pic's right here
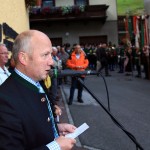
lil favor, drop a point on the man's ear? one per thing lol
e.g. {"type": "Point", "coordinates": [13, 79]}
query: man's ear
{"type": "Point", "coordinates": [23, 57]}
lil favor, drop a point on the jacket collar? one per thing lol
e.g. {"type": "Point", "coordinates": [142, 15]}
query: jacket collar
{"type": "Point", "coordinates": [24, 82]}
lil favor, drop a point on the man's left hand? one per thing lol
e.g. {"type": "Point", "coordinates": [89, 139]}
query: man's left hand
{"type": "Point", "coordinates": [65, 128]}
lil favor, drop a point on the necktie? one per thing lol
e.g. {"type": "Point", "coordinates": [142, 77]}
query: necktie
{"type": "Point", "coordinates": [50, 111]}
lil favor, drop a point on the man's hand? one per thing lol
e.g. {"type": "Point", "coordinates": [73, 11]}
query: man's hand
{"type": "Point", "coordinates": [58, 110]}
{"type": "Point", "coordinates": [79, 67]}
{"type": "Point", "coordinates": [65, 128]}
{"type": "Point", "coordinates": [65, 143]}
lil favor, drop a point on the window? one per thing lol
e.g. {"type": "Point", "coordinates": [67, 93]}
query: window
{"type": "Point", "coordinates": [81, 2]}
{"type": "Point", "coordinates": [48, 3]}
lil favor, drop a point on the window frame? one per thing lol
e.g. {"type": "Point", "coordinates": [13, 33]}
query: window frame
{"type": "Point", "coordinates": [87, 2]}
{"type": "Point", "coordinates": [49, 0]}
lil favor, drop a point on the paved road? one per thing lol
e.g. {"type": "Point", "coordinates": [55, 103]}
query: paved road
{"type": "Point", "coordinates": [129, 104]}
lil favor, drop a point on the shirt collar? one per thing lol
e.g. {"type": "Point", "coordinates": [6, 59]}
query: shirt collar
{"type": "Point", "coordinates": [26, 77]}
{"type": "Point", "coordinates": [3, 70]}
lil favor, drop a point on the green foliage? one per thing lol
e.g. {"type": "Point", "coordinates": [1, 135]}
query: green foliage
{"type": "Point", "coordinates": [66, 10]}
{"type": "Point", "coordinates": [130, 7]}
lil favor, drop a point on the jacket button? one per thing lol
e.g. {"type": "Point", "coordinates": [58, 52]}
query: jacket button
{"type": "Point", "coordinates": [48, 119]}
{"type": "Point", "coordinates": [43, 99]}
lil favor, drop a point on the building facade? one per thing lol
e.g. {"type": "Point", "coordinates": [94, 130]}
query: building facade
{"type": "Point", "coordinates": [14, 18]}
{"type": "Point", "coordinates": [96, 23]}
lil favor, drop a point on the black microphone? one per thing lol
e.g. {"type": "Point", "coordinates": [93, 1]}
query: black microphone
{"type": "Point", "coordinates": [74, 73]}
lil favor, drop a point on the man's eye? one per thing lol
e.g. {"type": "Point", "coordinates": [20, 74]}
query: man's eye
{"type": "Point", "coordinates": [46, 54]}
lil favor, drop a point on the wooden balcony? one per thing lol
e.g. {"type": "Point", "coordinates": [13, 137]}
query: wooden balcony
{"type": "Point", "coordinates": [90, 12]}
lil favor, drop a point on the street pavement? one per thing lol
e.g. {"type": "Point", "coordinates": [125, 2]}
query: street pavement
{"type": "Point", "coordinates": [129, 102]}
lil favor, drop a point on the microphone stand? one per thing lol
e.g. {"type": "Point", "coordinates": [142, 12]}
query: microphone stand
{"type": "Point", "coordinates": [138, 146]}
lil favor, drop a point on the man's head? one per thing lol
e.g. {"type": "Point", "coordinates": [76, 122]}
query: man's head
{"type": "Point", "coordinates": [58, 48]}
{"type": "Point", "coordinates": [54, 51]}
{"type": "Point", "coordinates": [62, 49]}
{"type": "Point", "coordinates": [32, 54]}
{"type": "Point", "coordinates": [77, 49]}
{"type": "Point", "coordinates": [104, 45]}
{"type": "Point", "coordinates": [3, 55]}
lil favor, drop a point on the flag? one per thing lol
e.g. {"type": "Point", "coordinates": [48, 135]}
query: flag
{"type": "Point", "coordinates": [128, 29]}
{"type": "Point", "coordinates": [144, 30]}
{"type": "Point", "coordinates": [146, 36]}
{"type": "Point", "coordinates": [136, 30]}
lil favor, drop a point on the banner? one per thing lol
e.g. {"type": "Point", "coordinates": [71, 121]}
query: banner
{"type": "Point", "coordinates": [144, 30]}
{"type": "Point", "coordinates": [136, 30]}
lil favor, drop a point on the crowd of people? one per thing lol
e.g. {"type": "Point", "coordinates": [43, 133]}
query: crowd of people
{"type": "Point", "coordinates": [123, 59]}
{"type": "Point", "coordinates": [29, 93]}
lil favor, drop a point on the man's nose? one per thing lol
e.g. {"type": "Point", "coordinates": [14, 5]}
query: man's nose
{"type": "Point", "coordinates": [51, 62]}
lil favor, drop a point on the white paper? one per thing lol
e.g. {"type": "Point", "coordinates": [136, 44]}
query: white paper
{"type": "Point", "coordinates": [78, 131]}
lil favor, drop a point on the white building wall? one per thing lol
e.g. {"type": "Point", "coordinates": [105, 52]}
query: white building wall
{"type": "Point", "coordinates": [64, 2]}
{"type": "Point", "coordinates": [111, 11]}
{"type": "Point", "coordinates": [75, 30]}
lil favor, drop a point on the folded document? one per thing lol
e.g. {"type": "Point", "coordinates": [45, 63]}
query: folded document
{"type": "Point", "coordinates": [78, 131]}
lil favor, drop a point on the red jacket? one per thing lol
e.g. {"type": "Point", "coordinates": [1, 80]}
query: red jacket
{"type": "Point", "coordinates": [77, 64]}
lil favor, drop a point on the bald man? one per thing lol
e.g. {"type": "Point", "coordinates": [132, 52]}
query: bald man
{"type": "Point", "coordinates": [26, 113]}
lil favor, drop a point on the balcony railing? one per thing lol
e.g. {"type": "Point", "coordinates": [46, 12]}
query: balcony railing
{"type": "Point", "coordinates": [68, 13]}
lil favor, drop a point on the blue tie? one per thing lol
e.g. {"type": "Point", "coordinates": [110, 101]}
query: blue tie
{"type": "Point", "coordinates": [50, 110]}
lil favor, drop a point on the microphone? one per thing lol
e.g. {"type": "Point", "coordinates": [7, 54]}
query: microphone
{"type": "Point", "coordinates": [62, 73]}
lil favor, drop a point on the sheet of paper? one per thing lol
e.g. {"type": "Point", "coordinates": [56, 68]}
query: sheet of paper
{"type": "Point", "coordinates": [78, 131]}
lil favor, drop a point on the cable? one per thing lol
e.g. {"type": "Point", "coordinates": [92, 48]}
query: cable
{"type": "Point", "coordinates": [106, 90]}
{"type": "Point", "coordinates": [112, 117]}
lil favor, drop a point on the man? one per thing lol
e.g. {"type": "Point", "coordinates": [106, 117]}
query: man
{"type": "Point", "coordinates": [102, 56]}
{"type": "Point", "coordinates": [121, 58]}
{"type": "Point", "coordinates": [54, 81]}
{"type": "Point", "coordinates": [4, 73]}
{"type": "Point", "coordinates": [26, 117]}
{"type": "Point", "coordinates": [77, 61]}
{"type": "Point", "coordinates": [63, 56]}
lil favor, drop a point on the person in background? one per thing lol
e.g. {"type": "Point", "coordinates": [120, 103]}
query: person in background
{"type": "Point", "coordinates": [128, 61]}
{"type": "Point", "coordinates": [26, 112]}
{"type": "Point", "coordinates": [145, 57]}
{"type": "Point", "coordinates": [103, 57]}
{"type": "Point", "coordinates": [63, 56]}
{"type": "Point", "coordinates": [4, 73]}
{"type": "Point", "coordinates": [58, 49]}
{"type": "Point", "coordinates": [121, 58]}
{"type": "Point", "coordinates": [54, 80]}
{"type": "Point", "coordinates": [138, 62]}
{"type": "Point", "coordinates": [79, 62]}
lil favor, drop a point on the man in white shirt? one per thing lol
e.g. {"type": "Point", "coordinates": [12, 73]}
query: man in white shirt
{"type": "Point", "coordinates": [4, 73]}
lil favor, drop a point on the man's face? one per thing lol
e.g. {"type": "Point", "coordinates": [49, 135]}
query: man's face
{"type": "Point", "coordinates": [3, 55]}
{"type": "Point", "coordinates": [40, 60]}
{"type": "Point", "coordinates": [77, 49]}
{"type": "Point", "coordinates": [54, 53]}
